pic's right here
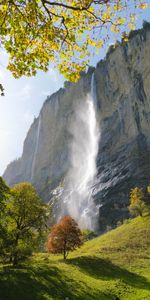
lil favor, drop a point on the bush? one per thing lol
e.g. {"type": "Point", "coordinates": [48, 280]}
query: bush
{"type": "Point", "coordinates": [89, 235]}
{"type": "Point", "coordinates": [137, 205]}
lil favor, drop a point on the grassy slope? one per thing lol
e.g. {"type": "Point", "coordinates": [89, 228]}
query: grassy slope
{"type": "Point", "coordinates": [113, 266]}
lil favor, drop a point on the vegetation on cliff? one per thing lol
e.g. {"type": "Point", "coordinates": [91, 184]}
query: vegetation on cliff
{"type": "Point", "coordinates": [138, 205]}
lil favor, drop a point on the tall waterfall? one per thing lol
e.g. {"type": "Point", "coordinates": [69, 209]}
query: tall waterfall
{"type": "Point", "coordinates": [78, 200]}
{"type": "Point", "coordinates": [36, 147]}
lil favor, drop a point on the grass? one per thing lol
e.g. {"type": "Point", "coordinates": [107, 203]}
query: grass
{"type": "Point", "coordinates": [115, 266]}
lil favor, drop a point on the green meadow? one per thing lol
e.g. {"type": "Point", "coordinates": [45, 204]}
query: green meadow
{"type": "Point", "coordinates": [114, 266]}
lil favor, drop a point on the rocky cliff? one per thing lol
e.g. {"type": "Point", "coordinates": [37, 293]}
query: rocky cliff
{"type": "Point", "coordinates": [122, 83]}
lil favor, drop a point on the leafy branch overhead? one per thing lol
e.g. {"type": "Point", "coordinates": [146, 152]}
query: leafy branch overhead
{"type": "Point", "coordinates": [1, 90]}
{"type": "Point", "coordinates": [63, 32]}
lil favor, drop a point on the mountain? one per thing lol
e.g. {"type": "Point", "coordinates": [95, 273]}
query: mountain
{"type": "Point", "coordinates": [122, 89]}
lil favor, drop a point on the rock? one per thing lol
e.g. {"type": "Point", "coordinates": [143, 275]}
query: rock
{"type": "Point", "coordinates": [123, 162]}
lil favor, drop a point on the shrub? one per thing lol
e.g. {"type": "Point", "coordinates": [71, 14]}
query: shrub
{"type": "Point", "coordinates": [137, 205]}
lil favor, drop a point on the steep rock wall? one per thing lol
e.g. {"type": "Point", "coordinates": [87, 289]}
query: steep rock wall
{"type": "Point", "coordinates": [123, 95]}
{"type": "Point", "coordinates": [123, 89]}
{"type": "Point", "coordinates": [45, 158]}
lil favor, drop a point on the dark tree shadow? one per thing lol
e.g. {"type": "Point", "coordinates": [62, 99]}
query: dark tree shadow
{"type": "Point", "coordinates": [43, 283]}
{"type": "Point", "coordinates": [104, 269]}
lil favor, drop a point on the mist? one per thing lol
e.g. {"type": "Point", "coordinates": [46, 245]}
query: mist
{"type": "Point", "coordinates": [77, 199]}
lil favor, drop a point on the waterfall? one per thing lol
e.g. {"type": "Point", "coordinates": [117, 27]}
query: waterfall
{"type": "Point", "coordinates": [36, 147]}
{"type": "Point", "coordinates": [78, 200]}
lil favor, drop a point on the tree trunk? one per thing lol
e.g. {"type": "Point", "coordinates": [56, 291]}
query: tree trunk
{"type": "Point", "coordinates": [15, 254]}
{"type": "Point", "coordinates": [65, 256]}
{"type": "Point", "coordinates": [15, 260]}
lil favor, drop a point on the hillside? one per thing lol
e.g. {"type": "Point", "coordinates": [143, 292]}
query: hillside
{"type": "Point", "coordinates": [115, 266]}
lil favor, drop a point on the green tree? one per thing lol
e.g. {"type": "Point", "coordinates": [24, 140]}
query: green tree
{"type": "Point", "coordinates": [4, 189]}
{"type": "Point", "coordinates": [147, 200]}
{"type": "Point", "coordinates": [137, 205]}
{"type": "Point", "coordinates": [26, 217]}
{"type": "Point", "coordinates": [88, 234]}
{"type": "Point", "coordinates": [63, 32]}
{"type": "Point", "coordinates": [4, 194]}
{"type": "Point", "coordinates": [64, 237]}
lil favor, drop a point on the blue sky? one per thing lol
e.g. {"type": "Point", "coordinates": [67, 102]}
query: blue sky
{"type": "Point", "coordinates": [23, 100]}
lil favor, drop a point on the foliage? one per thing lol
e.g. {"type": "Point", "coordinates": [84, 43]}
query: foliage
{"type": "Point", "coordinates": [64, 237]}
{"type": "Point", "coordinates": [25, 218]}
{"type": "Point", "coordinates": [1, 90]}
{"type": "Point", "coordinates": [137, 205]}
{"type": "Point", "coordinates": [112, 266]}
{"type": "Point", "coordinates": [4, 189]}
{"type": "Point", "coordinates": [147, 199]}
{"type": "Point", "coordinates": [63, 32]}
{"type": "Point", "coordinates": [108, 228]}
{"type": "Point", "coordinates": [4, 194]}
{"type": "Point", "coordinates": [126, 221]}
{"type": "Point", "coordinates": [88, 234]}
{"type": "Point", "coordinates": [119, 223]}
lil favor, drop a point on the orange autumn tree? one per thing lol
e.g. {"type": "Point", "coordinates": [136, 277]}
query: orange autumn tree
{"type": "Point", "coordinates": [64, 237]}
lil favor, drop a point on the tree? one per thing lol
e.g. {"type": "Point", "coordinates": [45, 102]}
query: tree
{"type": "Point", "coordinates": [63, 32]}
{"type": "Point", "coordinates": [4, 194]}
{"type": "Point", "coordinates": [4, 190]}
{"type": "Point", "coordinates": [26, 216]}
{"type": "Point", "coordinates": [89, 235]}
{"type": "Point", "coordinates": [137, 205]}
{"type": "Point", "coordinates": [147, 199]}
{"type": "Point", "coordinates": [64, 237]}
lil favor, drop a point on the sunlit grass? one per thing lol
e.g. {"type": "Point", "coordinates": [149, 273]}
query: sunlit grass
{"type": "Point", "coordinates": [113, 266]}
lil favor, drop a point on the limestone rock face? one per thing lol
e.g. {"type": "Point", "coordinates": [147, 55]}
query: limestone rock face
{"type": "Point", "coordinates": [123, 91]}
{"type": "Point", "coordinates": [123, 95]}
{"type": "Point", "coordinates": [45, 158]}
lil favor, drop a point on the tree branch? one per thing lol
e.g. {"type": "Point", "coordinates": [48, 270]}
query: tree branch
{"type": "Point", "coordinates": [77, 8]}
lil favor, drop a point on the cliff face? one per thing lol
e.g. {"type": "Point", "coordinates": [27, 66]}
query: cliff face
{"type": "Point", "coordinates": [123, 94]}
{"type": "Point", "coordinates": [45, 158]}
{"type": "Point", "coordinates": [123, 89]}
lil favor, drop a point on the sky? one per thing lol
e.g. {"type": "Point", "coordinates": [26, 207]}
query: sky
{"type": "Point", "coordinates": [24, 98]}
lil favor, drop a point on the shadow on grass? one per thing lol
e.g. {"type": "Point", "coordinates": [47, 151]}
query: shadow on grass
{"type": "Point", "coordinates": [105, 270]}
{"type": "Point", "coordinates": [43, 283]}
